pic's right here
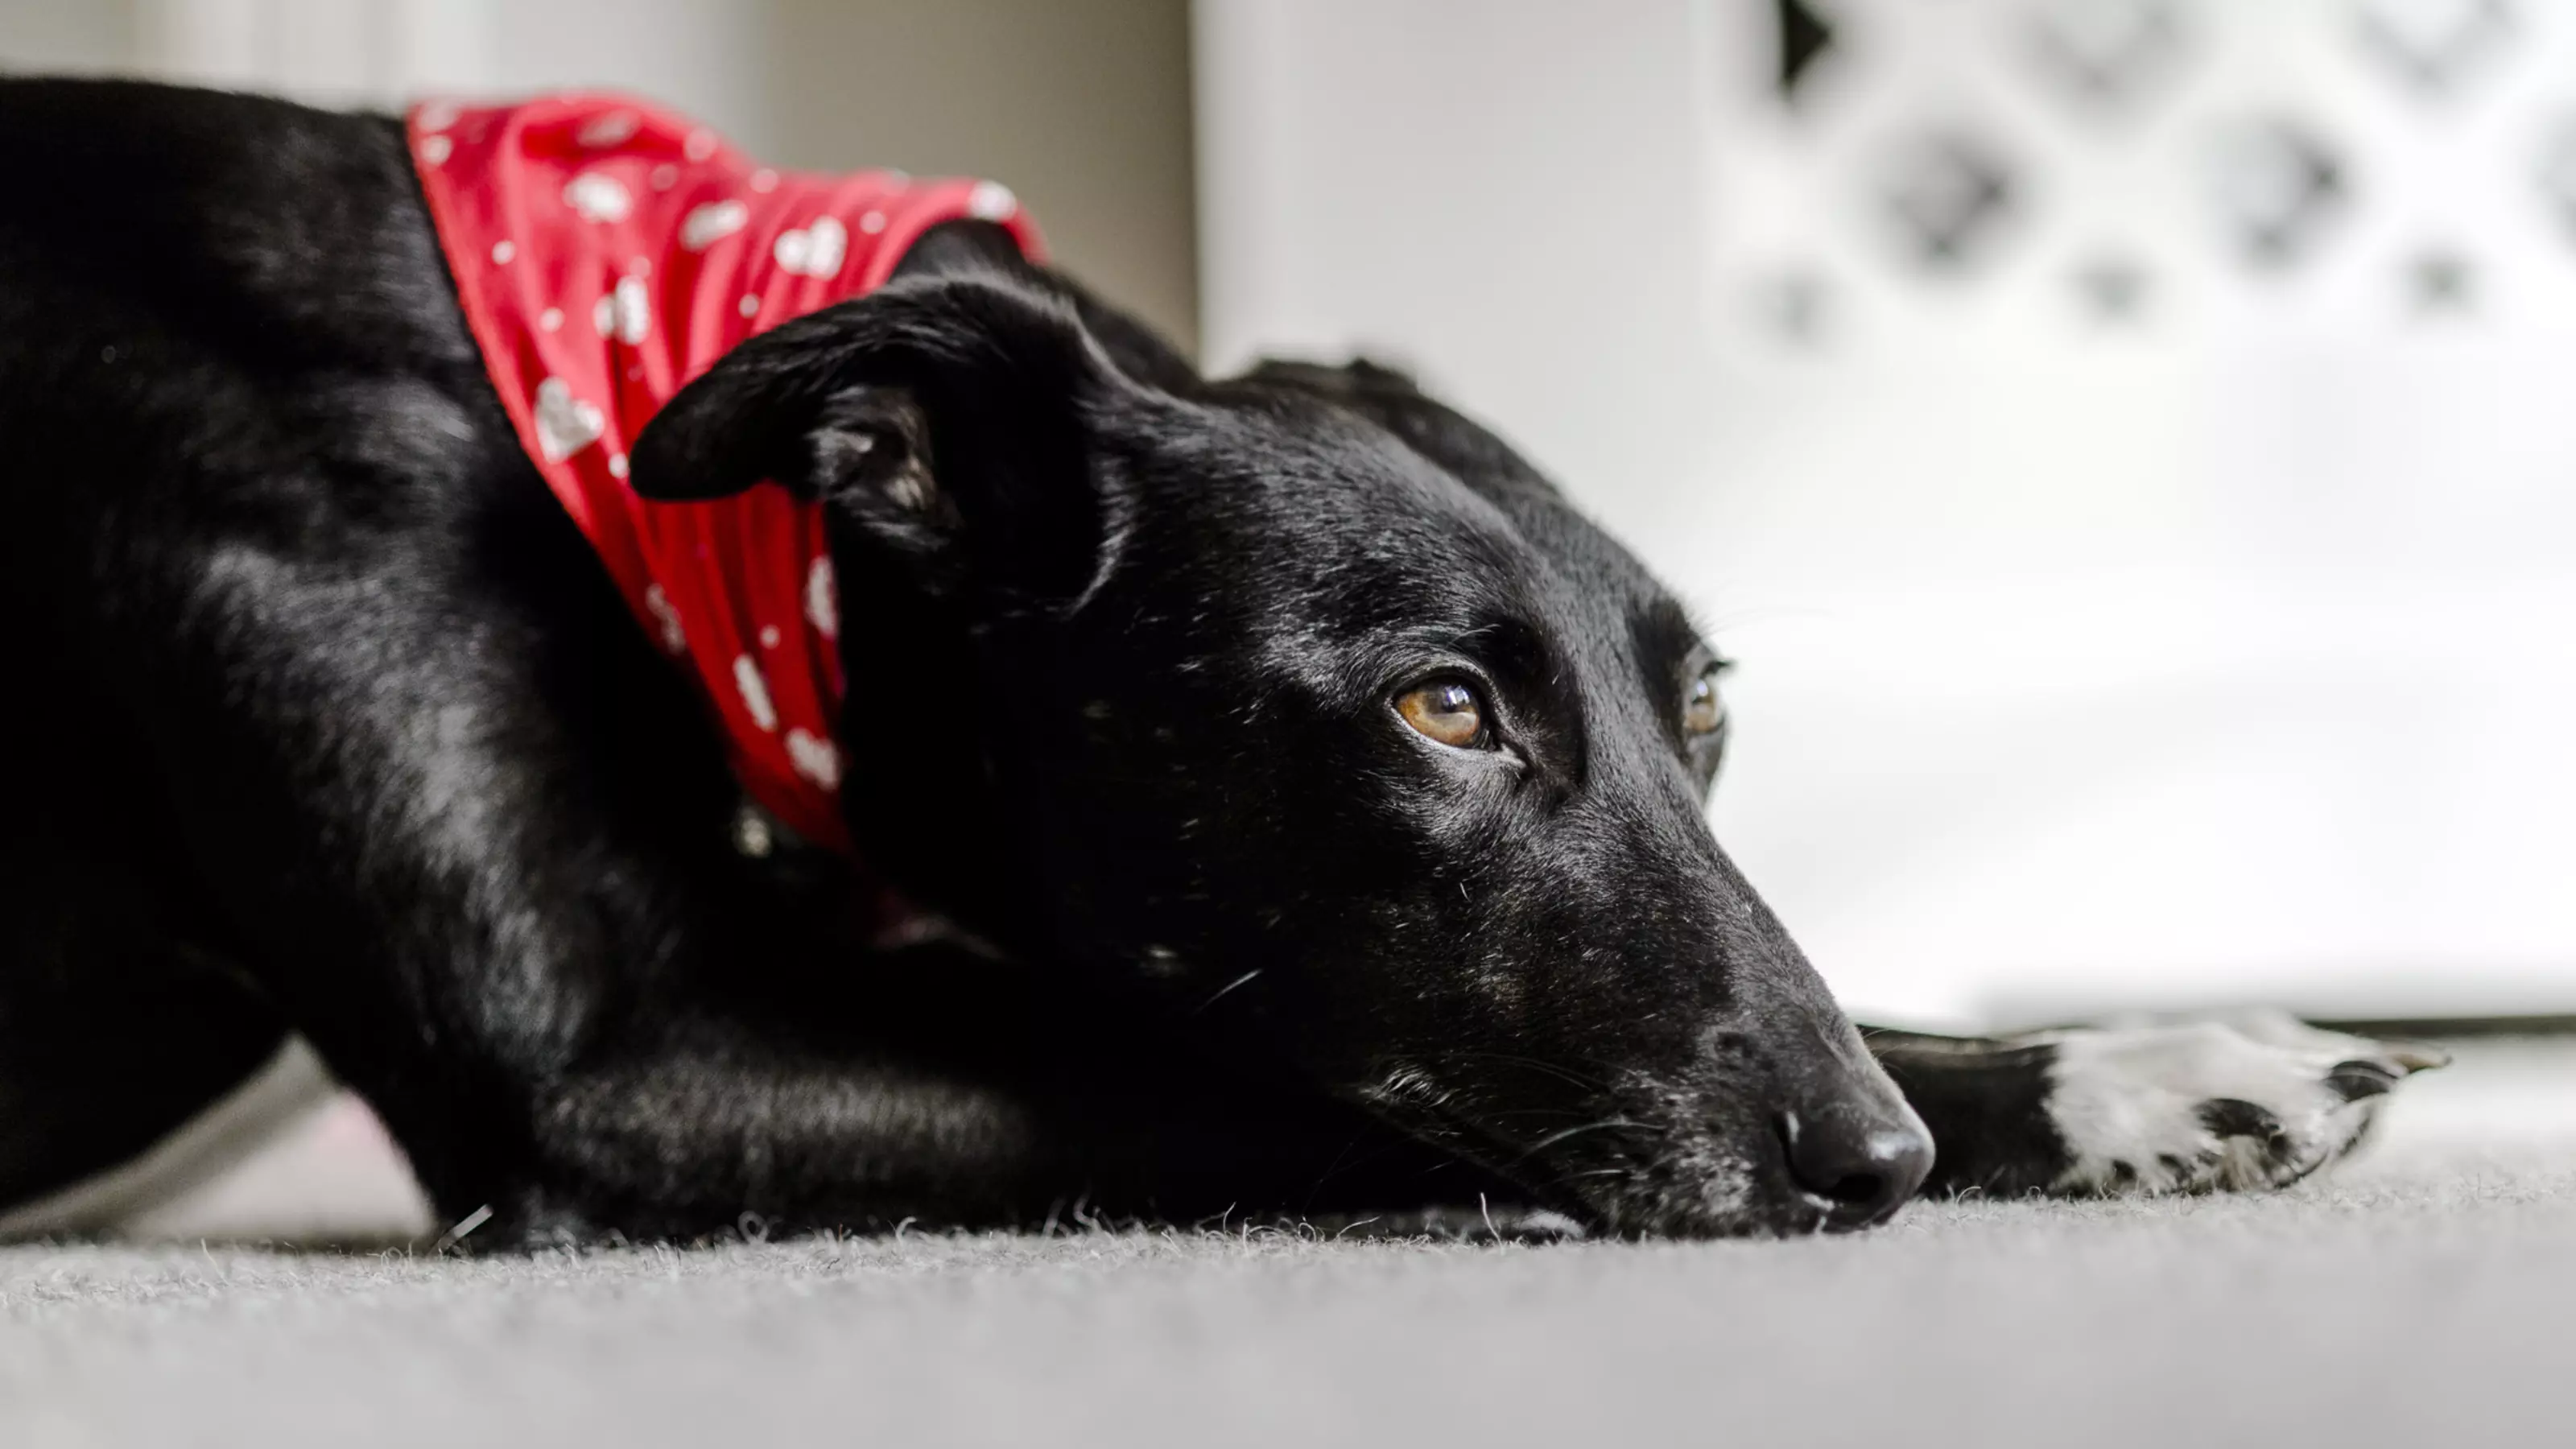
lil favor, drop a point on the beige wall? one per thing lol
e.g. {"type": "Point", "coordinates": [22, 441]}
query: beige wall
{"type": "Point", "coordinates": [67, 35]}
{"type": "Point", "coordinates": [1081, 106]}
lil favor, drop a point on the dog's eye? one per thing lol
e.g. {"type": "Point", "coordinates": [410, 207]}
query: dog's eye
{"type": "Point", "coordinates": [1702, 710]}
{"type": "Point", "coordinates": [1445, 711]}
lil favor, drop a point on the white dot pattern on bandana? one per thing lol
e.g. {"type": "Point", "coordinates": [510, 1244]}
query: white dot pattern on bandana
{"type": "Point", "coordinates": [565, 424]}
{"type": "Point", "coordinates": [706, 225]}
{"type": "Point", "coordinates": [675, 250]}
{"type": "Point", "coordinates": [675, 639]}
{"type": "Point", "coordinates": [613, 129]}
{"type": "Point", "coordinates": [754, 688]}
{"type": "Point", "coordinates": [823, 599]}
{"type": "Point", "coordinates": [597, 196]}
{"type": "Point", "coordinates": [815, 758]}
{"type": "Point", "coordinates": [816, 249]}
{"type": "Point", "coordinates": [632, 310]}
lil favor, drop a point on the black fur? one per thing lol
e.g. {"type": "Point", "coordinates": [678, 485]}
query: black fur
{"type": "Point", "coordinates": [1986, 1103]}
{"type": "Point", "coordinates": [340, 728]}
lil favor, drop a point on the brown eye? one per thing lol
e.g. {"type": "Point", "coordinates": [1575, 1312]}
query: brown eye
{"type": "Point", "coordinates": [1445, 711]}
{"type": "Point", "coordinates": [1702, 710]}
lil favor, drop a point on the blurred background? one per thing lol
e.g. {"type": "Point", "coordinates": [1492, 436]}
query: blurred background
{"type": "Point", "coordinates": [2125, 442]}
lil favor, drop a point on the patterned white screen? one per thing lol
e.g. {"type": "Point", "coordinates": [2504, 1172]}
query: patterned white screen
{"type": "Point", "coordinates": [2126, 441]}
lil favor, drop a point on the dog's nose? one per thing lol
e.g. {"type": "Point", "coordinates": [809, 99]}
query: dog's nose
{"type": "Point", "coordinates": [1859, 1166]}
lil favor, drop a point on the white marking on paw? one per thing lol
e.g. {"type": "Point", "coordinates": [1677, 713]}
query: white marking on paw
{"type": "Point", "coordinates": [823, 599]}
{"type": "Point", "coordinates": [2129, 1102]}
{"type": "Point", "coordinates": [565, 424]}
{"type": "Point", "coordinates": [754, 689]}
{"type": "Point", "coordinates": [815, 758]}
{"type": "Point", "coordinates": [598, 197]}
{"type": "Point", "coordinates": [815, 251]}
{"type": "Point", "coordinates": [706, 225]}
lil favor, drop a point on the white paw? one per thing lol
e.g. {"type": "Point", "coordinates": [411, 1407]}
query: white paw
{"type": "Point", "coordinates": [2256, 1100]}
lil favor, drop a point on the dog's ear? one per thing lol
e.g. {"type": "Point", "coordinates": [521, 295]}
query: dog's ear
{"type": "Point", "coordinates": [946, 414]}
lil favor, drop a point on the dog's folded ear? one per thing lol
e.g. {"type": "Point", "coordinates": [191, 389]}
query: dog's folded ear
{"type": "Point", "coordinates": [946, 414]}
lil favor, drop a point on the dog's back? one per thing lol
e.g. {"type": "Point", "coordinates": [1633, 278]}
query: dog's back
{"type": "Point", "coordinates": [189, 283]}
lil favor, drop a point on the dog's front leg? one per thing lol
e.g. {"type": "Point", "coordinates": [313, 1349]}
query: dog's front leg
{"type": "Point", "coordinates": [2256, 1100]}
{"type": "Point", "coordinates": [928, 1085]}
{"type": "Point", "coordinates": [482, 861]}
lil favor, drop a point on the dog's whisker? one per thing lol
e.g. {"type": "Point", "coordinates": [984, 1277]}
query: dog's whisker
{"type": "Point", "coordinates": [1223, 991]}
{"type": "Point", "coordinates": [1604, 1124]}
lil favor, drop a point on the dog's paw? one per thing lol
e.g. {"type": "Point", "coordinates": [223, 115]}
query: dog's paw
{"type": "Point", "coordinates": [2257, 1100]}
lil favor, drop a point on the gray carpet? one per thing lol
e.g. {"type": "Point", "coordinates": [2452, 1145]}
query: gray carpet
{"type": "Point", "coordinates": [2425, 1295]}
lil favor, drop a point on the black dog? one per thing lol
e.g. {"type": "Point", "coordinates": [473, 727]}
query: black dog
{"type": "Point", "coordinates": [1315, 799]}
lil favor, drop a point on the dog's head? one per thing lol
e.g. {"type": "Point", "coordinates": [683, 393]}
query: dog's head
{"type": "Point", "coordinates": [1305, 704]}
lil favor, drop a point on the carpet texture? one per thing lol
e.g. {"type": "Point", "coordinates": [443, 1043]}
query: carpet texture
{"type": "Point", "coordinates": [2425, 1294]}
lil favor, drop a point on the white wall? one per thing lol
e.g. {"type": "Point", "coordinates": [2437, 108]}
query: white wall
{"type": "Point", "coordinates": [2221, 654]}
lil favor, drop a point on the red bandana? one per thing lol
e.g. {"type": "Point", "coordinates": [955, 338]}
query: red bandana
{"type": "Point", "coordinates": [606, 253]}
